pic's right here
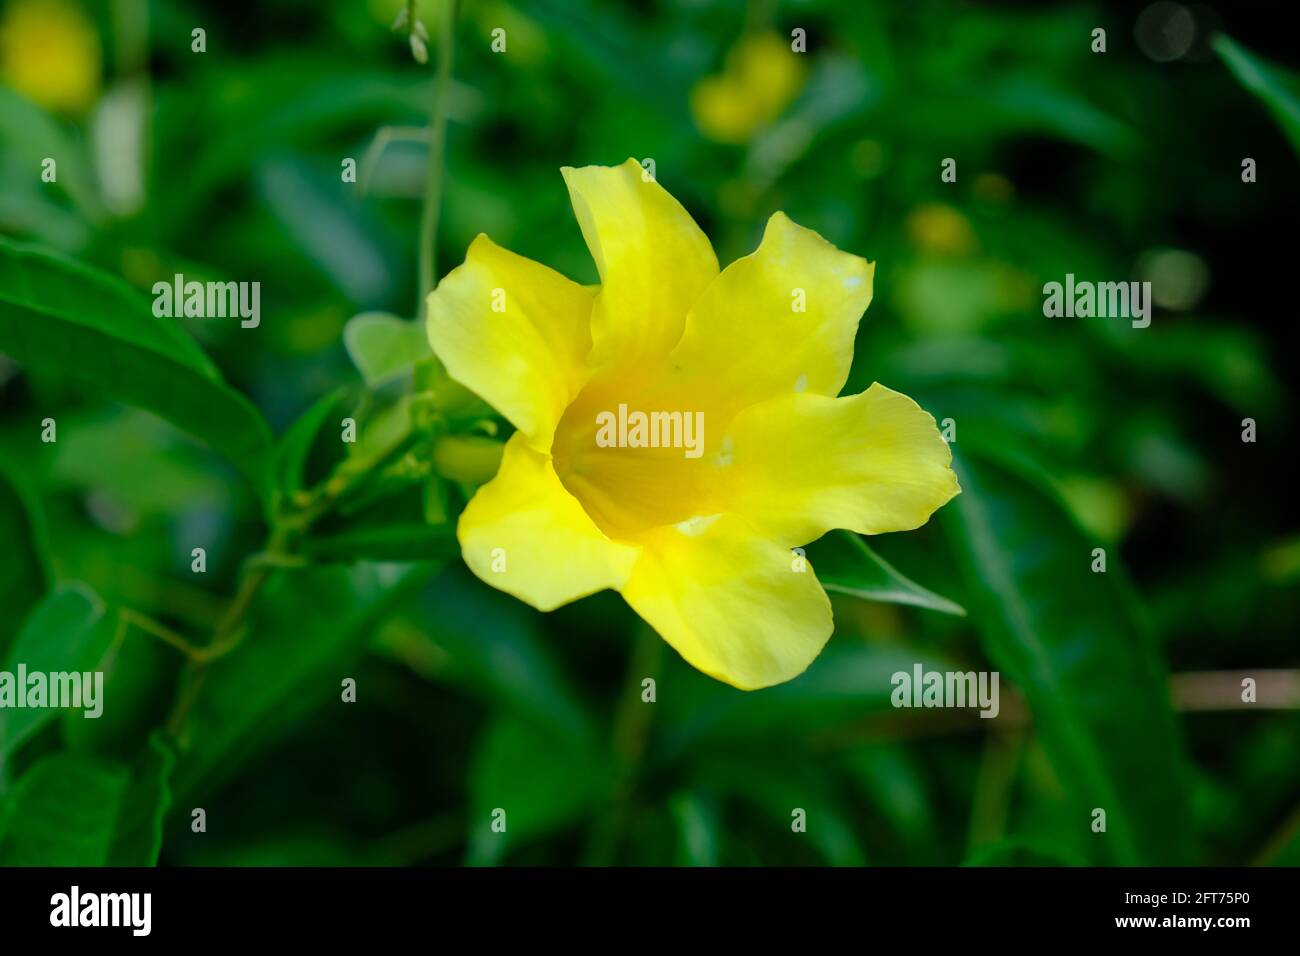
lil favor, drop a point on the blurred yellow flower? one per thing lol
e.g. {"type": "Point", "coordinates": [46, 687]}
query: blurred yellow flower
{"type": "Point", "coordinates": [934, 227]}
{"type": "Point", "coordinates": [49, 52]}
{"type": "Point", "coordinates": [692, 518]}
{"type": "Point", "coordinates": [761, 77]}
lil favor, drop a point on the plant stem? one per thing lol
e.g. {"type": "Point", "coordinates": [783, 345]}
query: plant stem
{"type": "Point", "coordinates": [227, 633]}
{"type": "Point", "coordinates": [994, 781]}
{"type": "Point", "coordinates": [631, 733]}
{"type": "Point", "coordinates": [286, 526]}
{"type": "Point", "coordinates": [160, 631]}
{"type": "Point", "coordinates": [437, 151]}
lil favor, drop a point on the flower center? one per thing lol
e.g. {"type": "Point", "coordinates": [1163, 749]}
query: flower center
{"type": "Point", "coordinates": [637, 455]}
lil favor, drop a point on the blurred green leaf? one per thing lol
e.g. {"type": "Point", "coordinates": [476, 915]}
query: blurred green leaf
{"type": "Point", "coordinates": [60, 315]}
{"type": "Point", "coordinates": [601, 40]}
{"type": "Point", "coordinates": [63, 633]}
{"type": "Point", "coordinates": [541, 779]}
{"type": "Point", "coordinates": [849, 680]}
{"type": "Point", "coordinates": [396, 541]}
{"type": "Point", "coordinates": [24, 573]}
{"type": "Point", "coordinates": [385, 426]}
{"type": "Point", "coordinates": [72, 811]}
{"type": "Point", "coordinates": [1229, 361]}
{"type": "Point", "coordinates": [381, 345]}
{"type": "Point", "coordinates": [1033, 103]}
{"type": "Point", "coordinates": [892, 777]}
{"type": "Point", "coordinates": [492, 647]}
{"type": "Point", "coordinates": [327, 221]}
{"type": "Point", "coordinates": [788, 791]}
{"type": "Point", "coordinates": [1277, 88]}
{"type": "Point", "coordinates": [845, 564]}
{"type": "Point", "coordinates": [699, 831]}
{"type": "Point", "coordinates": [307, 634]}
{"type": "Point", "coordinates": [140, 675]}
{"type": "Point", "coordinates": [136, 460]}
{"type": "Point", "coordinates": [956, 297]}
{"type": "Point", "coordinates": [22, 121]}
{"type": "Point", "coordinates": [293, 452]}
{"type": "Point", "coordinates": [274, 103]}
{"type": "Point", "coordinates": [1073, 643]}
{"type": "Point", "coordinates": [137, 836]}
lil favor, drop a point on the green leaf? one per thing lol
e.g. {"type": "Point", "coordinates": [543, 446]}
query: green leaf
{"type": "Point", "coordinates": [848, 681]}
{"type": "Point", "coordinates": [273, 104]}
{"type": "Point", "coordinates": [699, 831]}
{"type": "Point", "coordinates": [336, 231]}
{"type": "Point", "coordinates": [24, 573]}
{"type": "Point", "coordinates": [73, 320]}
{"type": "Point", "coordinates": [493, 648]}
{"type": "Point", "coordinates": [22, 121]}
{"type": "Point", "coordinates": [294, 451]}
{"type": "Point", "coordinates": [1074, 644]}
{"type": "Point", "coordinates": [1032, 102]}
{"type": "Point", "coordinates": [62, 634]}
{"type": "Point", "coordinates": [383, 346]}
{"type": "Point", "coordinates": [306, 635]}
{"type": "Point", "coordinates": [385, 426]}
{"type": "Point", "coordinates": [540, 779]}
{"type": "Point", "coordinates": [845, 564]}
{"type": "Point", "coordinates": [892, 779]}
{"type": "Point", "coordinates": [73, 811]}
{"type": "Point", "coordinates": [136, 460]}
{"type": "Point", "coordinates": [1277, 88]}
{"type": "Point", "coordinates": [140, 676]}
{"type": "Point", "coordinates": [137, 837]}
{"type": "Point", "coordinates": [391, 528]}
{"type": "Point", "coordinates": [777, 785]}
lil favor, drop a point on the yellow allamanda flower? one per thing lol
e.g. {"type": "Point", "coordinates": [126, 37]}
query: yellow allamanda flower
{"type": "Point", "coordinates": [761, 78]}
{"type": "Point", "coordinates": [695, 533]}
{"type": "Point", "coordinates": [49, 52]}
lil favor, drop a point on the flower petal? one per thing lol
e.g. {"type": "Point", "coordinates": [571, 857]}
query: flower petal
{"type": "Point", "coordinates": [747, 339]}
{"type": "Point", "coordinates": [731, 602]}
{"type": "Point", "coordinates": [524, 534]}
{"type": "Point", "coordinates": [801, 465]}
{"type": "Point", "coordinates": [653, 261]}
{"type": "Point", "coordinates": [516, 333]}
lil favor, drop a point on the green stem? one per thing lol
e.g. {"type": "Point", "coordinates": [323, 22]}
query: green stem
{"type": "Point", "coordinates": [155, 629]}
{"type": "Point", "coordinates": [228, 631]}
{"type": "Point", "coordinates": [286, 526]}
{"type": "Point", "coordinates": [437, 151]}
{"type": "Point", "coordinates": [631, 733]}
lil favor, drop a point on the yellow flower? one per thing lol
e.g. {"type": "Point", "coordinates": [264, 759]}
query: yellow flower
{"type": "Point", "coordinates": [762, 76]}
{"type": "Point", "coordinates": [935, 227]}
{"type": "Point", "coordinates": [49, 52]}
{"type": "Point", "coordinates": [697, 532]}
